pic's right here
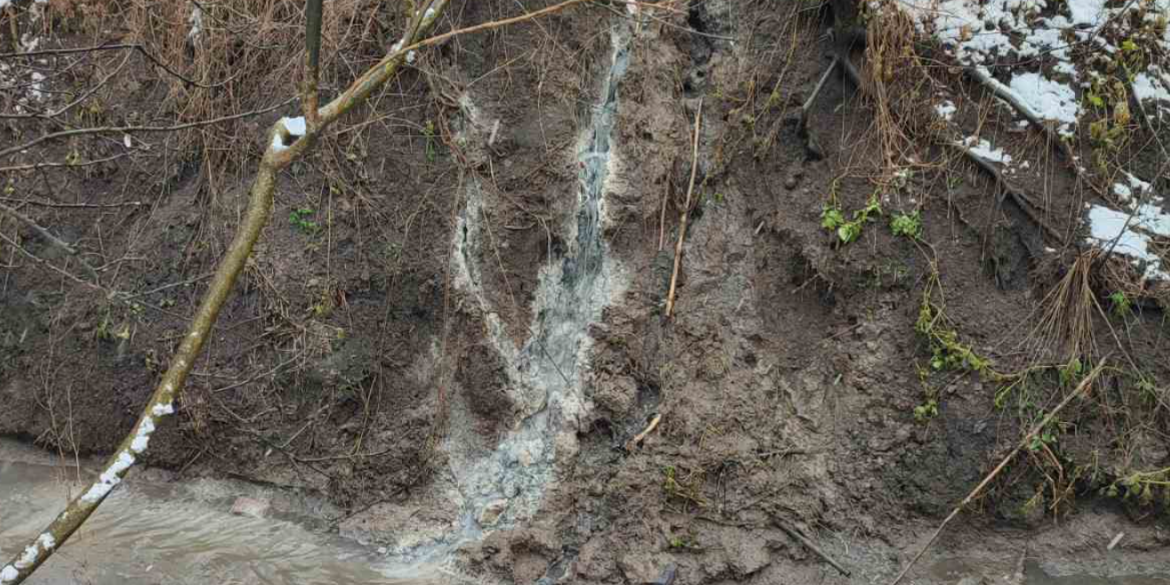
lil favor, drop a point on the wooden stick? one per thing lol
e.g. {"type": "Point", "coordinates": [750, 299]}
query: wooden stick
{"type": "Point", "coordinates": [682, 227]}
{"type": "Point", "coordinates": [808, 543]}
{"type": "Point", "coordinates": [662, 215]}
{"type": "Point", "coordinates": [312, 59]}
{"type": "Point", "coordinates": [1084, 385]}
{"type": "Point", "coordinates": [48, 237]}
{"type": "Point", "coordinates": [642, 435]}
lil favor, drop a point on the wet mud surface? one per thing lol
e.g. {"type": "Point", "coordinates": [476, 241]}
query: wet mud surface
{"type": "Point", "coordinates": [453, 328]}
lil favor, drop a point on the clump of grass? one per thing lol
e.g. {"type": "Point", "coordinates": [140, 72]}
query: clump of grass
{"type": "Point", "coordinates": [1066, 325]}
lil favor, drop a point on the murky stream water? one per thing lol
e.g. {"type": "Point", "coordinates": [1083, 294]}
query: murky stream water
{"type": "Point", "coordinates": [149, 532]}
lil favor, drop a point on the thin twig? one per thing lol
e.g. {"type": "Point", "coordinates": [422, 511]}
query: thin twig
{"type": "Point", "coordinates": [662, 215]}
{"type": "Point", "coordinates": [312, 59]}
{"type": "Point", "coordinates": [139, 48]}
{"type": "Point", "coordinates": [1080, 389]}
{"type": "Point", "coordinates": [637, 440]}
{"type": "Point", "coordinates": [682, 228]}
{"type": "Point", "coordinates": [50, 165]}
{"type": "Point", "coordinates": [48, 236]}
{"type": "Point", "coordinates": [129, 129]}
{"type": "Point", "coordinates": [68, 205]}
{"type": "Point", "coordinates": [50, 265]}
{"type": "Point", "coordinates": [808, 543]}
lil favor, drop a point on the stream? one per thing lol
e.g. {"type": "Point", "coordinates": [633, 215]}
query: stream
{"type": "Point", "coordinates": [152, 531]}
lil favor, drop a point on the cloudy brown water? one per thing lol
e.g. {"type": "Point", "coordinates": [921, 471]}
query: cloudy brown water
{"type": "Point", "coordinates": [162, 532]}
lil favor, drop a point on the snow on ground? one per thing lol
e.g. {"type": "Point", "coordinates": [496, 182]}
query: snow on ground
{"type": "Point", "coordinates": [1037, 33]}
{"type": "Point", "coordinates": [1031, 43]}
{"type": "Point", "coordinates": [1144, 217]}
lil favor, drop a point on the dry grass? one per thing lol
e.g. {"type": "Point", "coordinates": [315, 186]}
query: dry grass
{"type": "Point", "coordinates": [1065, 326]}
{"type": "Point", "coordinates": [251, 52]}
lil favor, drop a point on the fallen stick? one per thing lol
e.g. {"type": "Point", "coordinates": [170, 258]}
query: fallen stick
{"type": "Point", "coordinates": [1018, 195]}
{"type": "Point", "coordinates": [662, 215]}
{"type": "Point", "coordinates": [637, 440]}
{"type": "Point", "coordinates": [49, 237]}
{"type": "Point", "coordinates": [1005, 93]}
{"type": "Point", "coordinates": [808, 544]}
{"type": "Point", "coordinates": [1084, 385]}
{"type": "Point", "coordinates": [682, 228]}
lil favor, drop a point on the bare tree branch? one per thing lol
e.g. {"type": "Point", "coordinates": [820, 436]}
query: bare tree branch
{"type": "Point", "coordinates": [277, 156]}
{"type": "Point", "coordinates": [48, 236]}
{"type": "Point", "coordinates": [139, 48]}
{"type": "Point", "coordinates": [312, 59]}
{"type": "Point", "coordinates": [131, 129]}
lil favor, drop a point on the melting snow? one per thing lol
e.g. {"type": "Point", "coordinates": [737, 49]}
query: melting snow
{"type": "Point", "coordinates": [1049, 99]}
{"type": "Point", "coordinates": [1133, 236]}
{"type": "Point", "coordinates": [295, 126]}
{"type": "Point", "coordinates": [945, 110]}
{"type": "Point", "coordinates": [109, 478]}
{"type": "Point", "coordinates": [983, 149]}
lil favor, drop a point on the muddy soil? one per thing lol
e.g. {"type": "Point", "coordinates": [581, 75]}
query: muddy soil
{"type": "Point", "coordinates": [368, 352]}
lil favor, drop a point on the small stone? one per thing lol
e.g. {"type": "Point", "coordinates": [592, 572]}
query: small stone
{"type": "Point", "coordinates": [790, 183]}
{"type": "Point", "coordinates": [492, 512]}
{"type": "Point", "coordinates": [252, 507]}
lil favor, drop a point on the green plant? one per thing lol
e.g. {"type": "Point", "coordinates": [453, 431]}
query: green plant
{"type": "Point", "coordinates": [926, 411]}
{"type": "Point", "coordinates": [299, 218]}
{"type": "Point", "coordinates": [948, 352]}
{"type": "Point", "coordinates": [1071, 373]}
{"type": "Point", "coordinates": [1120, 304]}
{"type": "Point", "coordinates": [833, 219]}
{"type": "Point", "coordinates": [1047, 436]}
{"type": "Point", "coordinates": [908, 225]}
{"type": "Point", "coordinates": [429, 133]}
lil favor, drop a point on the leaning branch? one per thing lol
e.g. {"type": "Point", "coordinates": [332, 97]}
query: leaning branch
{"type": "Point", "coordinates": [682, 222]}
{"type": "Point", "coordinates": [278, 155]}
{"type": "Point", "coordinates": [1081, 389]}
{"type": "Point", "coordinates": [48, 236]}
{"type": "Point", "coordinates": [312, 59]}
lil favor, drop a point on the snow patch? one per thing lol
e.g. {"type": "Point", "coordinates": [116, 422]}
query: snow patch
{"type": "Point", "coordinates": [1050, 100]}
{"type": "Point", "coordinates": [946, 110]}
{"type": "Point", "coordinates": [109, 479]}
{"type": "Point", "coordinates": [9, 574]}
{"type": "Point", "coordinates": [1134, 227]}
{"type": "Point", "coordinates": [142, 436]}
{"type": "Point", "coordinates": [1147, 87]}
{"type": "Point", "coordinates": [295, 126]}
{"type": "Point", "coordinates": [163, 409]}
{"type": "Point", "coordinates": [983, 149]}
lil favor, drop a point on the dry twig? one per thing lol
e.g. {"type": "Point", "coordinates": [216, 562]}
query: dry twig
{"type": "Point", "coordinates": [1080, 390]}
{"type": "Point", "coordinates": [682, 227]}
